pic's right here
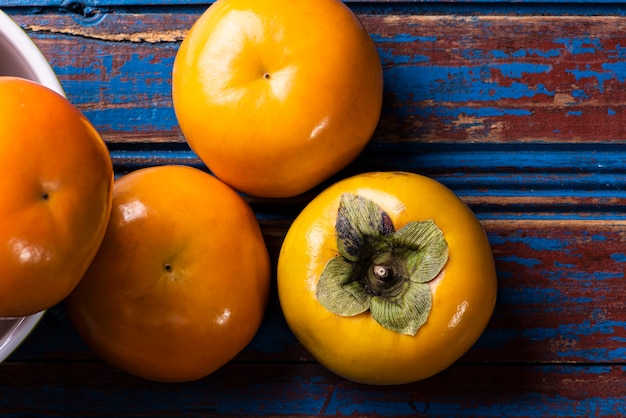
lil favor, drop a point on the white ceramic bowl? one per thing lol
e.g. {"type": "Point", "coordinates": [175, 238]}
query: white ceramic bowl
{"type": "Point", "coordinates": [20, 57]}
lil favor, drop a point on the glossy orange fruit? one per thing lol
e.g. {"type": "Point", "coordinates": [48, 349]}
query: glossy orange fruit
{"type": "Point", "coordinates": [55, 196]}
{"type": "Point", "coordinates": [275, 96]}
{"type": "Point", "coordinates": [387, 278]}
{"type": "Point", "coordinates": [180, 283]}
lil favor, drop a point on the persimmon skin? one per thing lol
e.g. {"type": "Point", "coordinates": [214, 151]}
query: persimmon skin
{"type": "Point", "coordinates": [276, 96]}
{"type": "Point", "coordinates": [55, 196]}
{"type": "Point", "coordinates": [180, 283]}
{"type": "Point", "coordinates": [357, 347]}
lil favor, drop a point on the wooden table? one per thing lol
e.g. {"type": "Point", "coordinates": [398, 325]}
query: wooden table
{"type": "Point", "coordinates": [519, 107]}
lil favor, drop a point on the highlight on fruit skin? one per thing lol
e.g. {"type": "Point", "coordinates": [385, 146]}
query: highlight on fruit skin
{"type": "Point", "coordinates": [276, 96]}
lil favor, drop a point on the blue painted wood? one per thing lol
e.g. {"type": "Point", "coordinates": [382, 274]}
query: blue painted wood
{"type": "Point", "coordinates": [476, 391]}
{"type": "Point", "coordinates": [520, 177]}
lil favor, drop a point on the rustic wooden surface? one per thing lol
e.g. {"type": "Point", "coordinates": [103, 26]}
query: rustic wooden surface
{"type": "Point", "coordinates": [518, 107]}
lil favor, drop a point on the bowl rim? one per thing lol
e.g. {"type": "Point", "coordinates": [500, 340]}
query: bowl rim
{"type": "Point", "coordinates": [17, 333]}
{"type": "Point", "coordinates": [37, 62]}
{"type": "Point", "coordinates": [45, 75]}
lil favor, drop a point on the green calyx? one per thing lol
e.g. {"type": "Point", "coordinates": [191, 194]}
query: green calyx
{"type": "Point", "coordinates": [380, 269]}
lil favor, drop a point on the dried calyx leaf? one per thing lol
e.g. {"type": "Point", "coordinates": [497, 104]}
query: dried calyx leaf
{"type": "Point", "coordinates": [380, 269]}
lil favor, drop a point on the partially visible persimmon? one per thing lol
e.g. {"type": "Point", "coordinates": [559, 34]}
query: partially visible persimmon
{"type": "Point", "coordinates": [181, 280]}
{"type": "Point", "coordinates": [276, 96]}
{"type": "Point", "coordinates": [55, 196]}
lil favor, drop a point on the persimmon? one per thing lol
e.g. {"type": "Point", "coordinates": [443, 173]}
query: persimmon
{"type": "Point", "coordinates": [180, 283]}
{"type": "Point", "coordinates": [55, 196]}
{"type": "Point", "coordinates": [387, 278]}
{"type": "Point", "coordinates": [276, 96]}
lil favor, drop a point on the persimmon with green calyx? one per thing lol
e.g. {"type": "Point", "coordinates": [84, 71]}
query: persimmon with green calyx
{"type": "Point", "coordinates": [386, 278]}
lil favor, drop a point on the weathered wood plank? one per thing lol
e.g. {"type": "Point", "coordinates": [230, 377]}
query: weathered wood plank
{"type": "Point", "coordinates": [561, 289]}
{"type": "Point", "coordinates": [289, 390]}
{"type": "Point", "coordinates": [448, 78]}
{"type": "Point", "coordinates": [572, 180]}
{"type": "Point", "coordinates": [502, 78]}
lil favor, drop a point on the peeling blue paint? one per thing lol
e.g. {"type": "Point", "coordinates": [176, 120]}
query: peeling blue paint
{"type": "Point", "coordinates": [588, 73]}
{"type": "Point", "coordinates": [592, 278]}
{"type": "Point", "coordinates": [578, 46]}
{"type": "Point", "coordinates": [133, 119]}
{"type": "Point", "coordinates": [595, 354]}
{"type": "Point", "coordinates": [617, 69]}
{"type": "Point", "coordinates": [499, 54]}
{"type": "Point", "coordinates": [402, 38]}
{"type": "Point", "coordinates": [619, 52]}
{"type": "Point", "coordinates": [573, 332]}
{"type": "Point", "coordinates": [461, 84]}
{"type": "Point", "coordinates": [523, 261]}
{"type": "Point", "coordinates": [619, 257]}
{"type": "Point", "coordinates": [517, 70]}
{"type": "Point", "coordinates": [524, 53]}
{"type": "Point", "coordinates": [599, 238]}
{"type": "Point", "coordinates": [539, 244]}
{"type": "Point", "coordinates": [388, 55]}
{"type": "Point", "coordinates": [579, 94]}
{"type": "Point", "coordinates": [482, 112]}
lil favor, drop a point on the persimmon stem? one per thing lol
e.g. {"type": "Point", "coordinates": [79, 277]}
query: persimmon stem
{"type": "Point", "coordinates": [383, 272]}
{"type": "Point", "coordinates": [383, 279]}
